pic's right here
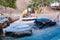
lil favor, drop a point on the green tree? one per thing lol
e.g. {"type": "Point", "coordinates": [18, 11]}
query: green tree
{"type": "Point", "coordinates": [39, 3]}
{"type": "Point", "coordinates": [8, 3]}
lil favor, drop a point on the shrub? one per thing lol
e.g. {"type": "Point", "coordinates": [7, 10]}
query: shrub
{"type": "Point", "coordinates": [8, 3]}
{"type": "Point", "coordinates": [38, 3]}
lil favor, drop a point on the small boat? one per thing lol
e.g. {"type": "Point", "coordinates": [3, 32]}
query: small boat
{"type": "Point", "coordinates": [41, 22]}
{"type": "Point", "coordinates": [55, 5]}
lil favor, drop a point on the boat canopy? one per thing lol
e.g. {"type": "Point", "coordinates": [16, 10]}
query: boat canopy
{"type": "Point", "coordinates": [44, 20]}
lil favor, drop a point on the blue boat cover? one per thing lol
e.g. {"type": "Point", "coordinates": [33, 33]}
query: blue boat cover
{"type": "Point", "coordinates": [44, 20]}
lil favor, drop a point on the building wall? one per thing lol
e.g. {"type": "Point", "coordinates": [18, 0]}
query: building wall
{"type": "Point", "coordinates": [22, 4]}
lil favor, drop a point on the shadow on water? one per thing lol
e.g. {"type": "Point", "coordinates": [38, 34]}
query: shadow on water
{"type": "Point", "coordinates": [13, 37]}
{"type": "Point", "coordinates": [17, 35]}
{"type": "Point", "coordinates": [43, 27]}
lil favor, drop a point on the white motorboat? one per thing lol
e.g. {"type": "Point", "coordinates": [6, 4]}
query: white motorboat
{"type": "Point", "coordinates": [55, 5]}
{"type": "Point", "coordinates": [18, 28]}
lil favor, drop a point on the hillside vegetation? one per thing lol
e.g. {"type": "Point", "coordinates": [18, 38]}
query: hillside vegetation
{"type": "Point", "coordinates": [8, 3]}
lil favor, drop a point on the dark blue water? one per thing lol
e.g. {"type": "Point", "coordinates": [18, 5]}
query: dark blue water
{"type": "Point", "coordinates": [51, 33]}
